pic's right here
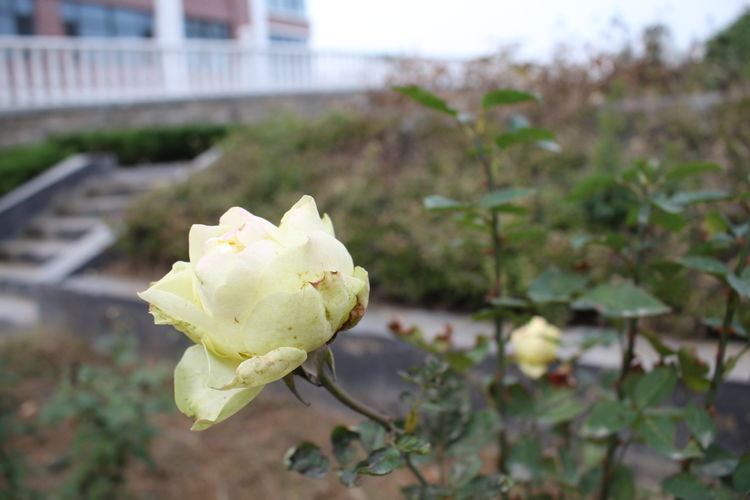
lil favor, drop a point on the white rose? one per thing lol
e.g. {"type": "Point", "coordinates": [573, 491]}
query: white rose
{"type": "Point", "coordinates": [535, 345]}
{"type": "Point", "coordinates": [255, 298]}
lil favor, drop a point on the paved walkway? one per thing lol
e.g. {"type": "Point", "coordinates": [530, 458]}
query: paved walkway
{"type": "Point", "coordinates": [379, 315]}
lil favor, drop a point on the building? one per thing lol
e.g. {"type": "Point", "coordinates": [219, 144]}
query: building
{"type": "Point", "coordinates": [79, 52]}
{"type": "Point", "coordinates": [257, 22]}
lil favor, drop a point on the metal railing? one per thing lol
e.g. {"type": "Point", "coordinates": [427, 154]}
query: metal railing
{"type": "Point", "coordinates": [44, 72]}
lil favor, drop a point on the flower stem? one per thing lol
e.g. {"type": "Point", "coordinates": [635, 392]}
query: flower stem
{"type": "Point", "coordinates": [627, 361]}
{"type": "Point", "coordinates": [414, 470]}
{"type": "Point", "coordinates": [733, 301]}
{"type": "Point", "coordinates": [497, 252]}
{"type": "Point", "coordinates": [354, 405]}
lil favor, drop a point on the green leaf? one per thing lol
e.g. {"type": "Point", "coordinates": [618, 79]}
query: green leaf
{"type": "Point", "coordinates": [505, 97]}
{"type": "Point", "coordinates": [698, 196]}
{"type": "Point", "coordinates": [732, 361]}
{"type": "Point", "coordinates": [591, 480]}
{"type": "Point", "coordinates": [694, 168]}
{"type": "Point", "coordinates": [342, 438]}
{"type": "Point", "coordinates": [380, 462]}
{"type": "Point", "coordinates": [660, 347]}
{"type": "Point", "coordinates": [439, 203]}
{"type": "Point", "coordinates": [693, 370]}
{"type": "Point", "coordinates": [463, 360]}
{"type": "Point", "coordinates": [590, 186]}
{"type": "Point", "coordinates": [673, 222]}
{"type": "Point", "coordinates": [554, 285]}
{"type": "Point", "coordinates": [687, 487]}
{"type": "Point", "coordinates": [481, 488]}
{"type": "Point", "coordinates": [465, 470]}
{"type": "Point", "coordinates": [700, 424]}
{"type": "Point", "coordinates": [371, 435]}
{"type": "Point", "coordinates": [621, 300]}
{"type": "Point", "coordinates": [524, 135]}
{"type": "Point", "coordinates": [741, 284]}
{"type": "Point", "coordinates": [717, 462]}
{"type": "Point", "coordinates": [426, 99]}
{"type": "Point", "coordinates": [514, 236]}
{"type": "Point", "coordinates": [525, 460]}
{"type": "Point", "coordinates": [658, 432]}
{"type": "Point", "coordinates": [502, 197]}
{"type": "Point", "coordinates": [741, 476]}
{"type": "Point", "coordinates": [715, 223]}
{"type": "Point", "coordinates": [558, 406]}
{"type": "Point", "coordinates": [607, 417]}
{"type": "Point", "coordinates": [655, 387]}
{"type": "Point", "coordinates": [289, 382]}
{"type": "Point", "coordinates": [622, 485]}
{"type": "Point", "coordinates": [409, 443]}
{"type": "Point", "coordinates": [481, 430]}
{"type": "Point", "coordinates": [520, 403]}
{"type": "Point", "coordinates": [705, 264]}
{"type": "Point", "coordinates": [307, 459]}
{"type": "Point", "coordinates": [348, 476]}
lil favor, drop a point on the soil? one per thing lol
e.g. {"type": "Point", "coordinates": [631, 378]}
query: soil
{"type": "Point", "coordinates": [240, 458]}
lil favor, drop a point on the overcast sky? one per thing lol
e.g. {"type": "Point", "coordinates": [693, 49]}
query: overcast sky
{"type": "Point", "coordinates": [467, 28]}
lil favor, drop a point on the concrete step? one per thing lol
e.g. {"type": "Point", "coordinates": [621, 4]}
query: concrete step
{"type": "Point", "coordinates": [101, 206]}
{"type": "Point", "coordinates": [69, 227]}
{"type": "Point", "coordinates": [114, 185]}
{"type": "Point", "coordinates": [31, 250]}
{"type": "Point", "coordinates": [17, 312]}
{"type": "Point", "coordinates": [18, 277]}
{"type": "Point", "coordinates": [77, 254]}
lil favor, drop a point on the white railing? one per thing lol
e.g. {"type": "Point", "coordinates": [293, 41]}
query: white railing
{"type": "Point", "coordinates": [44, 72]}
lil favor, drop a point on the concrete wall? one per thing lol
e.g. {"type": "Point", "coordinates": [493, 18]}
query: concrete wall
{"type": "Point", "coordinates": [27, 127]}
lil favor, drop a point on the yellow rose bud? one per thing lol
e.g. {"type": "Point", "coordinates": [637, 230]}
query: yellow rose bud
{"type": "Point", "coordinates": [535, 346]}
{"type": "Point", "coordinates": [256, 298]}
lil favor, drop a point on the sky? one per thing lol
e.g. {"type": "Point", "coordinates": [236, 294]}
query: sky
{"type": "Point", "coordinates": [470, 28]}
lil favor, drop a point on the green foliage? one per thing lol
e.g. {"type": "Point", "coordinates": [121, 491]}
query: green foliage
{"type": "Point", "coordinates": [131, 146]}
{"type": "Point", "coordinates": [13, 466]}
{"type": "Point", "coordinates": [19, 164]}
{"type": "Point", "coordinates": [729, 49]}
{"type": "Point", "coordinates": [109, 407]}
{"type": "Point", "coordinates": [145, 145]}
{"type": "Point", "coordinates": [308, 460]}
{"type": "Point", "coordinates": [561, 435]}
{"type": "Point", "coordinates": [355, 166]}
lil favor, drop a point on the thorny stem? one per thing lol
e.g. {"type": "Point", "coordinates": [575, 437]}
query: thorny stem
{"type": "Point", "coordinates": [415, 470]}
{"type": "Point", "coordinates": [627, 361]}
{"type": "Point", "coordinates": [345, 399]}
{"type": "Point", "coordinates": [496, 291]}
{"type": "Point", "coordinates": [351, 403]}
{"type": "Point", "coordinates": [732, 302]}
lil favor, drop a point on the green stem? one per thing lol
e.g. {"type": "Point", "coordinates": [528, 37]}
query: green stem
{"type": "Point", "coordinates": [614, 441]}
{"type": "Point", "coordinates": [627, 361]}
{"type": "Point", "coordinates": [497, 250]}
{"type": "Point", "coordinates": [345, 399]}
{"type": "Point", "coordinates": [414, 470]}
{"type": "Point", "coordinates": [732, 303]}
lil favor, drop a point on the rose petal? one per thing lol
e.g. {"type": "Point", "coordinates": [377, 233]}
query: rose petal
{"type": "Point", "coordinates": [194, 376]}
{"type": "Point", "coordinates": [262, 370]}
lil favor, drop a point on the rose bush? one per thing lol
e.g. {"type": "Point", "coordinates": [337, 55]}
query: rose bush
{"type": "Point", "coordinates": [255, 298]}
{"type": "Point", "coordinates": [535, 346]}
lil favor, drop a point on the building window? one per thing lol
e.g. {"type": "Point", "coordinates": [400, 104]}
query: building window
{"type": "Point", "coordinates": [98, 20]}
{"type": "Point", "coordinates": [294, 7]}
{"type": "Point", "coordinates": [287, 39]}
{"type": "Point", "coordinates": [16, 17]}
{"type": "Point", "coordinates": [202, 28]}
